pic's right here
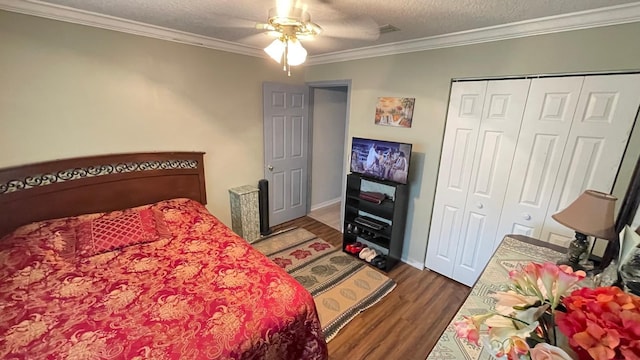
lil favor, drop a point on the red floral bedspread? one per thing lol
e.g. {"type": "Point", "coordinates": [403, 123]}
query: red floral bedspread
{"type": "Point", "coordinates": [202, 293]}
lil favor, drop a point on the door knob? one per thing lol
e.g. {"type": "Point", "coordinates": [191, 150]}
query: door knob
{"type": "Point", "coordinates": [526, 216]}
{"type": "Point", "coordinates": [479, 205]}
{"type": "Point", "coordinates": [270, 167]}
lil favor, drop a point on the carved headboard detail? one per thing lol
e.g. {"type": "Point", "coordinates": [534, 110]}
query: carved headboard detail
{"type": "Point", "coordinates": [84, 185]}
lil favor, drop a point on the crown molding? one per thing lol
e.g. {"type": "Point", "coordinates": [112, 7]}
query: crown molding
{"type": "Point", "coordinates": [613, 15]}
{"type": "Point", "coordinates": [76, 16]}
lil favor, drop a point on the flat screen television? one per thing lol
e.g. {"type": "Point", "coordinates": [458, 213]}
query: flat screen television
{"type": "Point", "coordinates": [379, 159]}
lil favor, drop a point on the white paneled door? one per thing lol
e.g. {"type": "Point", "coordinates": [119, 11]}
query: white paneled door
{"type": "Point", "coordinates": [286, 134]}
{"type": "Point", "coordinates": [604, 117]}
{"type": "Point", "coordinates": [458, 149]}
{"type": "Point", "coordinates": [482, 126]}
{"type": "Point", "coordinates": [502, 115]}
{"type": "Point", "coordinates": [545, 128]}
{"type": "Point", "coordinates": [516, 152]}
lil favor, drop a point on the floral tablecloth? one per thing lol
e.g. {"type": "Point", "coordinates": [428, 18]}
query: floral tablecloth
{"type": "Point", "coordinates": [510, 255]}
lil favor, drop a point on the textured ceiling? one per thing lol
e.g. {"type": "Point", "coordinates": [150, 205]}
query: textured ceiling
{"type": "Point", "coordinates": [347, 24]}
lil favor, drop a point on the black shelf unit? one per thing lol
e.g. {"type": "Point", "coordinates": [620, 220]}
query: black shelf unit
{"type": "Point", "coordinates": [391, 237]}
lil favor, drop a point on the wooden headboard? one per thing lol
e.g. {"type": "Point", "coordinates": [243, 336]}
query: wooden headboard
{"type": "Point", "coordinates": [70, 187]}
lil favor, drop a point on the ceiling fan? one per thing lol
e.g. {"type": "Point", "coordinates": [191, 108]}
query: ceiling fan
{"type": "Point", "coordinates": [291, 22]}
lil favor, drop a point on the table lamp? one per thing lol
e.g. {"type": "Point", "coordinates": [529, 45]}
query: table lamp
{"type": "Point", "coordinates": [591, 214]}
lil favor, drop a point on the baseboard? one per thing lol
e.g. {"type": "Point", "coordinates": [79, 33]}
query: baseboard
{"type": "Point", "coordinates": [415, 264]}
{"type": "Point", "coordinates": [325, 204]}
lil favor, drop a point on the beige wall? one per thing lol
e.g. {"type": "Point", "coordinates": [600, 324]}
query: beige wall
{"type": "Point", "coordinates": [426, 76]}
{"type": "Point", "coordinates": [69, 90]}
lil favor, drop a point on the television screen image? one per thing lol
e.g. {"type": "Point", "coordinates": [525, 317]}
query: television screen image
{"type": "Point", "coordinates": [384, 160]}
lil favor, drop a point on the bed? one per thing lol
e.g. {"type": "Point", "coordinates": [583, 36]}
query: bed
{"type": "Point", "coordinates": [116, 256]}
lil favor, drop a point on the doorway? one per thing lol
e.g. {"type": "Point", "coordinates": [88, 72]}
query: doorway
{"type": "Point", "coordinates": [314, 130]}
{"type": "Point", "coordinates": [328, 139]}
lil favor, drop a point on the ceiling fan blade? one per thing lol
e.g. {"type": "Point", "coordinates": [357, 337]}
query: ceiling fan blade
{"type": "Point", "coordinates": [257, 40]}
{"type": "Point", "coordinates": [283, 7]}
{"type": "Point", "coordinates": [357, 27]}
{"type": "Point", "coordinates": [263, 26]}
{"type": "Point", "coordinates": [232, 22]}
{"type": "Point", "coordinates": [334, 22]}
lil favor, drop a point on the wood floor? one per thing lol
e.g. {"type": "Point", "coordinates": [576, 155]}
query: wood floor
{"type": "Point", "coordinates": [407, 323]}
{"type": "Point", "coordinates": [329, 215]}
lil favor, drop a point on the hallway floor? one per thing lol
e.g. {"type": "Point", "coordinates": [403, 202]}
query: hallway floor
{"type": "Point", "coordinates": [329, 215]}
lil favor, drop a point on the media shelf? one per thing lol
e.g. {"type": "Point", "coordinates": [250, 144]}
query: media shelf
{"type": "Point", "coordinates": [383, 210]}
{"type": "Point", "coordinates": [392, 212]}
{"type": "Point", "coordinates": [379, 237]}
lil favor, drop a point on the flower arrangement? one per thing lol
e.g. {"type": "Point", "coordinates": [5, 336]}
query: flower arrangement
{"type": "Point", "coordinates": [601, 323]}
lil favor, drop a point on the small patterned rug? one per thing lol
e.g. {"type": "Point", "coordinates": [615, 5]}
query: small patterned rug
{"type": "Point", "coordinates": [342, 286]}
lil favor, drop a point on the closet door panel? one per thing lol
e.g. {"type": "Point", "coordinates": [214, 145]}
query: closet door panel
{"type": "Point", "coordinates": [461, 134]}
{"type": "Point", "coordinates": [476, 223]}
{"type": "Point", "coordinates": [606, 110]}
{"type": "Point", "coordinates": [502, 116]}
{"type": "Point", "coordinates": [545, 128]}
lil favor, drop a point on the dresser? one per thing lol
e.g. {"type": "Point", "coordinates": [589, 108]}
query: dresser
{"type": "Point", "coordinates": [514, 252]}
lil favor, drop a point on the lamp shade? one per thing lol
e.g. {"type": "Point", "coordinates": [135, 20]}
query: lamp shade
{"type": "Point", "coordinates": [590, 214]}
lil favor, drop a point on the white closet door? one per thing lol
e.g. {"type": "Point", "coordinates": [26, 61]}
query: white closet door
{"type": "Point", "coordinates": [545, 128]}
{"type": "Point", "coordinates": [458, 148]}
{"type": "Point", "coordinates": [502, 116]}
{"type": "Point", "coordinates": [599, 133]}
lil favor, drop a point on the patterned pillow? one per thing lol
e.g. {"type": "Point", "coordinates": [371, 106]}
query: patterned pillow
{"type": "Point", "coordinates": [119, 229]}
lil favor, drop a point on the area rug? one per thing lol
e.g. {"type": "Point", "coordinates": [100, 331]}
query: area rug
{"type": "Point", "coordinates": [342, 286]}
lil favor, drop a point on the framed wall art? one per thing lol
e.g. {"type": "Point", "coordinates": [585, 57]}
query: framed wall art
{"type": "Point", "coordinates": [394, 111]}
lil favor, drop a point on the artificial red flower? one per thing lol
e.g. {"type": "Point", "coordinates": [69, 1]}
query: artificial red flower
{"type": "Point", "coordinates": [601, 323]}
{"type": "Point", "coordinates": [604, 322]}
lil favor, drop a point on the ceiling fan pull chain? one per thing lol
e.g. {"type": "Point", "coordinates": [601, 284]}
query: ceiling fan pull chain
{"type": "Point", "coordinates": [285, 61]}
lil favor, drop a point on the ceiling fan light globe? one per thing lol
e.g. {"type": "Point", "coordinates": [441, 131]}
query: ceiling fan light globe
{"type": "Point", "coordinates": [296, 54]}
{"type": "Point", "coordinates": [275, 50]}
